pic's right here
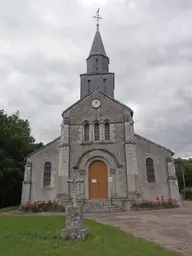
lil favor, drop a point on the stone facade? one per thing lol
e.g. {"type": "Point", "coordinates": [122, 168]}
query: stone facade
{"type": "Point", "coordinates": [124, 153]}
{"type": "Point", "coordinates": [37, 192]}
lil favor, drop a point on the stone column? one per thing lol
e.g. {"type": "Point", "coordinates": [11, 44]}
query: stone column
{"type": "Point", "coordinates": [113, 174]}
{"type": "Point", "coordinates": [172, 180]}
{"type": "Point", "coordinates": [63, 172]}
{"type": "Point", "coordinates": [130, 151]}
{"type": "Point", "coordinates": [26, 185]}
{"type": "Point", "coordinates": [91, 132]}
{"type": "Point", "coordinates": [82, 185]}
{"type": "Point", "coordinates": [102, 132]}
{"type": "Point", "coordinates": [74, 228]}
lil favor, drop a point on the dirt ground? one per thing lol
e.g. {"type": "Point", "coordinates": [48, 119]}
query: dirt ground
{"type": "Point", "coordinates": [172, 228]}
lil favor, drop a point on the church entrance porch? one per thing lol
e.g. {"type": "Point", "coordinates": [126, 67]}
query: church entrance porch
{"type": "Point", "coordinates": [98, 180]}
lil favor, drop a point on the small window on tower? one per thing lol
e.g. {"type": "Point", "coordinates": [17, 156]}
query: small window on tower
{"type": "Point", "coordinates": [105, 87]}
{"type": "Point", "coordinates": [89, 86]}
{"type": "Point", "coordinates": [96, 64]}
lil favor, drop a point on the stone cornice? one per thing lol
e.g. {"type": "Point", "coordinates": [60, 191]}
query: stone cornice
{"type": "Point", "coordinates": [172, 178]}
{"type": "Point", "coordinates": [128, 119]}
{"type": "Point", "coordinates": [64, 145]}
{"type": "Point", "coordinates": [66, 120]}
{"type": "Point", "coordinates": [98, 73]}
{"type": "Point", "coordinates": [29, 164]}
{"type": "Point", "coordinates": [130, 141]}
{"type": "Point", "coordinates": [169, 159]}
{"type": "Point", "coordinates": [97, 142]}
{"type": "Point", "coordinates": [82, 171]}
{"type": "Point", "coordinates": [113, 171]}
{"type": "Point", "coordinates": [27, 182]}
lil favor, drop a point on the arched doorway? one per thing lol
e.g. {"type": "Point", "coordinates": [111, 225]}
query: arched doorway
{"type": "Point", "coordinates": [98, 180]}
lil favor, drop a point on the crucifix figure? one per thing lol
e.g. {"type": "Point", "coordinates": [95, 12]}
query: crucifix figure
{"type": "Point", "coordinates": [75, 182]}
{"type": "Point", "coordinates": [98, 17]}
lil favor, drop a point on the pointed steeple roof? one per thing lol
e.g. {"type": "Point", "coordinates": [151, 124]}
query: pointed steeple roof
{"type": "Point", "coordinates": [97, 46]}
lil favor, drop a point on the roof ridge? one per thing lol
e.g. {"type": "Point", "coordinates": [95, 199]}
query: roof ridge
{"type": "Point", "coordinates": [154, 143]}
{"type": "Point", "coordinates": [44, 146]}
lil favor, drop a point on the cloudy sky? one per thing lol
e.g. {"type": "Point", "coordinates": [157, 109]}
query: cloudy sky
{"type": "Point", "coordinates": [44, 44]}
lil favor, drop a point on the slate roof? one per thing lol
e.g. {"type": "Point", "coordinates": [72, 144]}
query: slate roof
{"type": "Point", "coordinates": [97, 46]}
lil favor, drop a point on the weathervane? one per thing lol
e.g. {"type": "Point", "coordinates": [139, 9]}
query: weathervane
{"type": "Point", "coordinates": [98, 18]}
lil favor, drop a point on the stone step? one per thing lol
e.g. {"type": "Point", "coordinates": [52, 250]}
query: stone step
{"type": "Point", "coordinates": [100, 206]}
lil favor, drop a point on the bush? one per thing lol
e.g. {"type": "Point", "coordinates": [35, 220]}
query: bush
{"type": "Point", "coordinates": [187, 193]}
{"type": "Point", "coordinates": [155, 204]}
{"type": "Point", "coordinates": [39, 206]}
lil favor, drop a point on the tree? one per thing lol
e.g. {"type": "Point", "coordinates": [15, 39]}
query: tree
{"type": "Point", "coordinates": [16, 143]}
{"type": "Point", "coordinates": [184, 165]}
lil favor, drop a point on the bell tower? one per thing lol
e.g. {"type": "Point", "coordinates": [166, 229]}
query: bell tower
{"type": "Point", "coordinates": [97, 75]}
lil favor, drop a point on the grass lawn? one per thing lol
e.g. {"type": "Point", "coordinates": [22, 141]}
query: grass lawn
{"type": "Point", "coordinates": [36, 236]}
{"type": "Point", "coordinates": [8, 209]}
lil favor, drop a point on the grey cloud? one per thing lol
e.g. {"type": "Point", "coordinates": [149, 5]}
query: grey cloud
{"type": "Point", "coordinates": [44, 44]}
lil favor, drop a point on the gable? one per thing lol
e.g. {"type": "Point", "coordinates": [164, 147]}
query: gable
{"type": "Point", "coordinates": [45, 147]}
{"type": "Point", "coordinates": [152, 143]}
{"type": "Point", "coordinates": [110, 109]}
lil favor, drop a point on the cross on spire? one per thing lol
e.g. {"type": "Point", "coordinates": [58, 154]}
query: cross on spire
{"type": "Point", "coordinates": [98, 17]}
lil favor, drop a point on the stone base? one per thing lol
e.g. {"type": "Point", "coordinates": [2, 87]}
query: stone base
{"type": "Point", "coordinates": [74, 225]}
{"type": "Point", "coordinates": [73, 234]}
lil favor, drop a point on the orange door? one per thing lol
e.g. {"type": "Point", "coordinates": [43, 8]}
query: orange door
{"type": "Point", "coordinates": [98, 182]}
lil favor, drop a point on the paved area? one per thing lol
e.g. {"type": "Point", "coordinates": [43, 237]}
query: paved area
{"type": "Point", "coordinates": [171, 228]}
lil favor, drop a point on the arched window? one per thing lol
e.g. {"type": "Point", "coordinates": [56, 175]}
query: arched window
{"type": "Point", "coordinates": [86, 132]}
{"type": "Point", "coordinates": [47, 174]}
{"type": "Point", "coordinates": [96, 132]}
{"type": "Point", "coordinates": [150, 170]}
{"type": "Point", "coordinates": [107, 131]}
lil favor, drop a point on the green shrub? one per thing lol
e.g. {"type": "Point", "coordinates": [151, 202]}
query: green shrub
{"type": "Point", "coordinates": [187, 193]}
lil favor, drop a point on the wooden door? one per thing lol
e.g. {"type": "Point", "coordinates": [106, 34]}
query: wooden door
{"type": "Point", "coordinates": [98, 180]}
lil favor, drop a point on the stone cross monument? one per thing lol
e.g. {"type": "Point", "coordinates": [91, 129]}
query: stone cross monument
{"type": "Point", "coordinates": [74, 198]}
{"type": "Point", "coordinates": [74, 219]}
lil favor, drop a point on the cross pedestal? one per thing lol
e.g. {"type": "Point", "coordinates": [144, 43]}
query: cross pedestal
{"type": "Point", "coordinates": [74, 197]}
{"type": "Point", "coordinates": [74, 219]}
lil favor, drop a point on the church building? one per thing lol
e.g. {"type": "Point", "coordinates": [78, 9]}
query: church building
{"type": "Point", "coordinates": [99, 147]}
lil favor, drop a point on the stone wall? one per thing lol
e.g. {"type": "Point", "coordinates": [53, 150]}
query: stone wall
{"type": "Point", "coordinates": [49, 153]}
{"type": "Point", "coordinates": [159, 155]}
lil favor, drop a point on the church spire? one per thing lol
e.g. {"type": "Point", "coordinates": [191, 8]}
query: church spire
{"type": "Point", "coordinates": [97, 46]}
{"type": "Point", "coordinates": [97, 75]}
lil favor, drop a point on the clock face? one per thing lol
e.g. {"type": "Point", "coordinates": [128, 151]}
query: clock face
{"type": "Point", "coordinates": [96, 103]}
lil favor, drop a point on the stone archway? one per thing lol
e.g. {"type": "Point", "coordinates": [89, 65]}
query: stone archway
{"type": "Point", "coordinates": [98, 180]}
{"type": "Point", "coordinates": [85, 160]}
